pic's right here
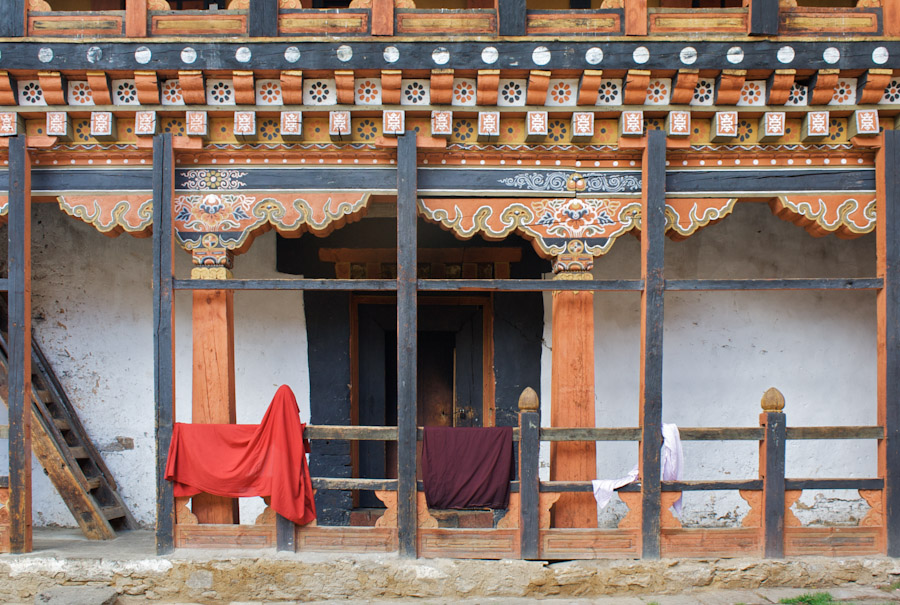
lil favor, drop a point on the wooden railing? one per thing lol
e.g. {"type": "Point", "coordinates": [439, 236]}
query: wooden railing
{"type": "Point", "coordinates": [769, 529]}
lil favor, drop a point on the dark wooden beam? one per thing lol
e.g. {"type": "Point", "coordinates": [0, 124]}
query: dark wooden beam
{"type": "Point", "coordinates": [529, 481]}
{"type": "Point", "coordinates": [653, 221]}
{"type": "Point", "coordinates": [763, 17]}
{"type": "Point", "coordinates": [284, 534]}
{"type": "Point", "coordinates": [406, 343]}
{"type": "Point", "coordinates": [511, 17]}
{"type": "Point", "coordinates": [13, 18]}
{"type": "Point", "coordinates": [164, 334]}
{"type": "Point", "coordinates": [888, 322]}
{"type": "Point", "coordinates": [772, 471]}
{"type": "Point", "coordinates": [826, 283]}
{"type": "Point", "coordinates": [19, 329]}
{"type": "Point", "coordinates": [263, 18]}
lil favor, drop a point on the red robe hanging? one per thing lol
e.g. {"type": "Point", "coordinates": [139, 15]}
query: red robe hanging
{"type": "Point", "coordinates": [238, 460]}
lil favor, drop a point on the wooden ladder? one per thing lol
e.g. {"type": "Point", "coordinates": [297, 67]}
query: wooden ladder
{"type": "Point", "coordinates": [63, 448]}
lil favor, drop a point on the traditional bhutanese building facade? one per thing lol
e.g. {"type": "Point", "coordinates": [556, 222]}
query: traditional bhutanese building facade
{"type": "Point", "coordinates": [455, 188]}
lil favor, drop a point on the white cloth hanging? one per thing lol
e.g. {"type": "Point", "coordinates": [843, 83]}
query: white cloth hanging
{"type": "Point", "coordinates": [672, 468]}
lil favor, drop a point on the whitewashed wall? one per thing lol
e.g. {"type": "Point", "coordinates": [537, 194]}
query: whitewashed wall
{"type": "Point", "coordinates": [723, 350]}
{"type": "Point", "coordinates": [93, 316]}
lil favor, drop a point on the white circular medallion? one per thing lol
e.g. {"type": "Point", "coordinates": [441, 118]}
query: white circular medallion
{"type": "Point", "coordinates": [243, 54]}
{"type": "Point", "coordinates": [489, 55]}
{"type": "Point", "coordinates": [94, 54]}
{"type": "Point", "coordinates": [391, 54]}
{"type": "Point", "coordinates": [344, 53]}
{"type": "Point", "coordinates": [440, 55]}
{"type": "Point", "coordinates": [593, 55]}
{"type": "Point", "coordinates": [688, 55]}
{"type": "Point", "coordinates": [880, 55]}
{"type": "Point", "coordinates": [735, 55]}
{"type": "Point", "coordinates": [541, 55]}
{"type": "Point", "coordinates": [785, 54]}
{"type": "Point", "coordinates": [831, 55]}
{"type": "Point", "coordinates": [45, 55]}
{"type": "Point", "coordinates": [641, 55]}
{"type": "Point", "coordinates": [142, 55]}
{"type": "Point", "coordinates": [291, 54]}
{"type": "Point", "coordinates": [189, 55]}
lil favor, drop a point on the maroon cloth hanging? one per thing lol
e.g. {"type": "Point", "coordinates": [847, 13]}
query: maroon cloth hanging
{"type": "Point", "coordinates": [467, 467]}
{"type": "Point", "coordinates": [236, 460]}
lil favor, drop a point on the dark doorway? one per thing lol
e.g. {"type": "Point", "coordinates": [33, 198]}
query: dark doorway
{"type": "Point", "coordinates": [450, 382]}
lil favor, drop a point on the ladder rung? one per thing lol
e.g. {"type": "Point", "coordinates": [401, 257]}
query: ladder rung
{"type": "Point", "coordinates": [92, 482]}
{"type": "Point", "coordinates": [113, 512]}
{"type": "Point", "coordinates": [79, 452]}
{"type": "Point", "coordinates": [62, 424]}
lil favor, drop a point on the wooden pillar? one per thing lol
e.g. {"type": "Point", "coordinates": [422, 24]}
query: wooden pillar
{"type": "Point", "coordinates": [19, 400]}
{"type": "Point", "coordinates": [263, 18]}
{"type": "Point", "coordinates": [213, 384]}
{"type": "Point", "coordinates": [887, 167]}
{"type": "Point", "coordinates": [891, 17]}
{"type": "Point", "coordinates": [529, 481]}
{"type": "Point", "coordinates": [511, 17]}
{"type": "Point", "coordinates": [406, 343]}
{"type": "Point", "coordinates": [636, 18]}
{"type": "Point", "coordinates": [572, 399]}
{"type": "Point", "coordinates": [164, 335]}
{"type": "Point", "coordinates": [653, 226]}
{"type": "Point", "coordinates": [13, 18]}
{"type": "Point", "coordinates": [771, 470]}
{"type": "Point", "coordinates": [136, 18]}
{"type": "Point", "coordinates": [382, 17]}
{"type": "Point", "coordinates": [763, 18]}
{"type": "Point", "coordinates": [285, 534]}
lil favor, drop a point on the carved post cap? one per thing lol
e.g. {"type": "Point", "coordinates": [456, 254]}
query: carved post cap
{"type": "Point", "coordinates": [528, 401]}
{"type": "Point", "coordinates": [772, 401]}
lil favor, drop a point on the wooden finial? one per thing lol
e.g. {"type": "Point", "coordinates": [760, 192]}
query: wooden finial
{"type": "Point", "coordinates": [528, 401]}
{"type": "Point", "coordinates": [772, 401]}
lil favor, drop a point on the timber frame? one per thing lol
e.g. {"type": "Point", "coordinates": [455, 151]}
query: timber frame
{"type": "Point", "coordinates": [494, 121]}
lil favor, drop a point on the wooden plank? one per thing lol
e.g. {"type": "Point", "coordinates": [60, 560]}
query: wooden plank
{"type": "Point", "coordinates": [827, 283]}
{"type": "Point", "coordinates": [511, 17]}
{"type": "Point", "coordinates": [110, 24]}
{"type": "Point", "coordinates": [19, 353]}
{"type": "Point", "coordinates": [529, 481]}
{"type": "Point", "coordinates": [833, 541]}
{"type": "Point", "coordinates": [382, 17]}
{"type": "Point", "coordinates": [887, 164]}
{"type": "Point", "coordinates": [824, 21]}
{"type": "Point", "coordinates": [136, 18]}
{"type": "Point", "coordinates": [636, 18]}
{"type": "Point", "coordinates": [763, 18]}
{"type": "Point", "coordinates": [445, 22]}
{"type": "Point", "coordinates": [891, 18]}
{"type": "Point", "coordinates": [835, 432]}
{"type": "Point", "coordinates": [703, 22]}
{"type": "Point", "coordinates": [346, 539]}
{"type": "Point", "coordinates": [564, 544]}
{"type": "Point", "coordinates": [164, 334]}
{"type": "Point", "coordinates": [12, 18]}
{"type": "Point", "coordinates": [263, 18]}
{"type": "Point", "coordinates": [703, 543]}
{"type": "Point", "coordinates": [406, 343]}
{"type": "Point", "coordinates": [468, 543]}
{"type": "Point", "coordinates": [378, 285]}
{"type": "Point", "coordinates": [224, 536]}
{"type": "Point", "coordinates": [795, 484]}
{"type": "Point", "coordinates": [322, 22]}
{"type": "Point", "coordinates": [362, 433]}
{"type": "Point", "coordinates": [575, 22]}
{"type": "Point", "coordinates": [427, 255]}
{"type": "Point", "coordinates": [750, 433]}
{"type": "Point", "coordinates": [653, 203]}
{"type": "Point", "coordinates": [589, 434]}
{"type": "Point", "coordinates": [183, 23]}
{"type": "Point", "coordinates": [772, 453]}
{"type": "Point", "coordinates": [285, 534]}
{"type": "Point", "coordinates": [354, 483]}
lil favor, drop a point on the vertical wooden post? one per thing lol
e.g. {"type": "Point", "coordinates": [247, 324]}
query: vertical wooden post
{"type": "Point", "coordinates": [511, 17]}
{"type": "Point", "coordinates": [19, 401]}
{"type": "Point", "coordinates": [382, 17]}
{"type": "Point", "coordinates": [213, 400]}
{"type": "Point", "coordinates": [636, 18]}
{"type": "Point", "coordinates": [763, 18]}
{"type": "Point", "coordinates": [887, 170]}
{"type": "Point", "coordinates": [284, 534]}
{"type": "Point", "coordinates": [529, 482]}
{"type": "Point", "coordinates": [406, 343]}
{"type": "Point", "coordinates": [164, 334]}
{"type": "Point", "coordinates": [653, 227]}
{"type": "Point", "coordinates": [13, 18]}
{"type": "Point", "coordinates": [572, 399]}
{"type": "Point", "coordinates": [771, 471]}
{"type": "Point", "coordinates": [136, 18]}
{"type": "Point", "coordinates": [263, 18]}
{"type": "Point", "coordinates": [890, 10]}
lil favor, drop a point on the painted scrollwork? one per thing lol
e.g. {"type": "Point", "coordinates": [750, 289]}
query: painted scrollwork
{"type": "Point", "coordinates": [845, 215]}
{"type": "Point", "coordinates": [684, 217]}
{"type": "Point", "coordinates": [562, 181]}
{"type": "Point", "coordinates": [112, 214]}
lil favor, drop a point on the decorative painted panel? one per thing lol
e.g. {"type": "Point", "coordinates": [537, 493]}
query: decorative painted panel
{"type": "Point", "coordinates": [844, 92]}
{"type": "Point", "coordinates": [112, 214]}
{"type": "Point", "coordinates": [659, 91]}
{"type": "Point", "coordinates": [753, 94]}
{"type": "Point", "coordinates": [847, 216]}
{"type": "Point", "coordinates": [610, 92]}
{"type": "Point", "coordinates": [562, 92]}
{"type": "Point", "coordinates": [464, 92]}
{"type": "Point", "coordinates": [268, 92]}
{"type": "Point", "coordinates": [124, 92]}
{"type": "Point", "coordinates": [80, 93]}
{"type": "Point", "coordinates": [704, 92]}
{"type": "Point", "coordinates": [415, 92]}
{"type": "Point", "coordinates": [511, 93]}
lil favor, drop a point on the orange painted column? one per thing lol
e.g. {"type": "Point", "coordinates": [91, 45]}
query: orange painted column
{"type": "Point", "coordinates": [572, 400]}
{"type": "Point", "coordinates": [213, 384]}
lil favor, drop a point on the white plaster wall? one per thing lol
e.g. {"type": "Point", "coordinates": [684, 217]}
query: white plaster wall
{"type": "Point", "coordinates": [93, 315]}
{"type": "Point", "coordinates": [722, 350]}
